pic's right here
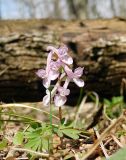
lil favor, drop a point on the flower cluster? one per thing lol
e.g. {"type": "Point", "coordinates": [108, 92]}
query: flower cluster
{"type": "Point", "coordinates": [59, 67]}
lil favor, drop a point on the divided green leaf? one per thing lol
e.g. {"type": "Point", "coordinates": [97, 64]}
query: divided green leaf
{"type": "Point", "coordinates": [114, 107]}
{"type": "Point", "coordinates": [68, 130]}
{"type": "Point", "coordinates": [18, 138]}
{"type": "Point", "coordinates": [38, 138]}
{"type": "Point", "coordinates": [3, 144]}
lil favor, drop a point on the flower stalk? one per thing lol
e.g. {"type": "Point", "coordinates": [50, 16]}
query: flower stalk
{"type": "Point", "coordinates": [59, 67]}
{"type": "Point", "coordinates": [51, 125]}
{"type": "Point", "coordinates": [60, 114]}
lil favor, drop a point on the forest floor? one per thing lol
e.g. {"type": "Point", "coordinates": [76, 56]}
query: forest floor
{"type": "Point", "coordinates": [99, 133]}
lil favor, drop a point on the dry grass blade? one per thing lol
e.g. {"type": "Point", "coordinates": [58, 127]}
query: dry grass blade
{"type": "Point", "coordinates": [80, 109]}
{"type": "Point", "coordinates": [31, 151]}
{"type": "Point", "coordinates": [25, 106]}
{"type": "Point", "coordinates": [81, 106]}
{"type": "Point", "coordinates": [117, 141]}
{"type": "Point", "coordinates": [106, 116]}
{"type": "Point", "coordinates": [101, 143]}
{"type": "Point", "coordinates": [103, 135]}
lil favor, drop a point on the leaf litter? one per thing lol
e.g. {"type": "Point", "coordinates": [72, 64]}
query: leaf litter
{"type": "Point", "coordinates": [104, 139]}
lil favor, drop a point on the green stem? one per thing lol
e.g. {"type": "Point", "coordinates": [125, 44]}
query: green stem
{"type": "Point", "coordinates": [80, 97]}
{"type": "Point", "coordinates": [51, 112]}
{"type": "Point", "coordinates": [51, 124]}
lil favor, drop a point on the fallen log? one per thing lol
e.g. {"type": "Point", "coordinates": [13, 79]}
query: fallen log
{"type": "Point", "coordinates": [97, 45]}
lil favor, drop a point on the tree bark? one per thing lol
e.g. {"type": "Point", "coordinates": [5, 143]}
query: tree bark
{"type": "Point", "coordinates": [98, 45]}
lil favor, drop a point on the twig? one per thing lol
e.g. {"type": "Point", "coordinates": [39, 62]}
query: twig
{"type": "Point", "coordinates": [101, 143]}
{"type": "Point", "coordinates": [60, 114]}
{"type": "Point", "coordinates": [75, 155]}
{"type": "Point", "coordinates": [124, 126]}
{"type": "Point", "coordinates": [103, 135]}
{"type": "Point", "coordinates": [25, 106]}
{"type": "Point", "coordinates": [10, 153]}
{"type": "Point", "coordinates": [31, 151]}
{"type": "Point", "coordinates": [117, 141]}
{"type": "Point", "coordinates": [107, 141]}
{"type": "Point", "coordinates": [22, 158]}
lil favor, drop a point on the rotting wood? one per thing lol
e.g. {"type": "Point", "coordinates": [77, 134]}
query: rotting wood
{"type": "Point", "coordinates": [97, 45]}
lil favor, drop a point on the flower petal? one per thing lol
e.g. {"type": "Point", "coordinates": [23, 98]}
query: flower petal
{"type": "Point", "coordinates": [55, 65]}
{"type": "Point", "coordinates": [78, 72]}
{"type": "Point", "coordinates": [53, 49]}
{"type": "Point", "coordinates": [79, 82]}
{"type": "Point", "coordinates": [41, 73]}
{"type": "Point", "coordinates": [46, 82]}
{"type": "Point", "coordinates": [49, 61]}
{"type": "Point", "coordinates": [46, 100]}
{"type": "Point", "coordinates": [67, 59]}
{"type": "Point", "coordinates": [53, 74]}
{"type": "Point", "coordinates": [67, 92]}
{"type": "Point", "coordinates": [63, 51]}
{"type": "Point", "coordinates": [47, 92]}
{"type": "Point", "coordinates": [69, 72]}
{"type": "Point", "coordinates": [66, 83]}
{"type": "Point", "coordinates": [63, 91]}
{"type": "Point", "coordinates": [59, 100]}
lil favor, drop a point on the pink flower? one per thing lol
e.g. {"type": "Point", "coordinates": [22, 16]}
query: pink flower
{"type": "Point", "coordinates": [50, 73]}
{"type": "Point", "coordinates": [46, 98]}
{"type": "Point", "coordinates": [43, 74]}
{"type": "Point", "coordinates": [62, 54]}
{"type": "Point", "coordinates": [58, 67]}
{"type": "Point", "coordinates": [75, 76]}
{"type": "Point", "coordinates": [60, 98]}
